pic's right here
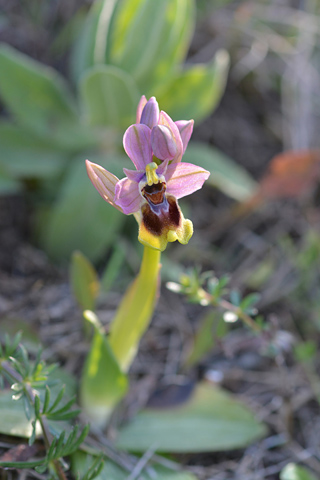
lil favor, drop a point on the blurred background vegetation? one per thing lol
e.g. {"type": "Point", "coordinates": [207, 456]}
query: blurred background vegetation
{"type": "Point", "coordinates": [248, 72]}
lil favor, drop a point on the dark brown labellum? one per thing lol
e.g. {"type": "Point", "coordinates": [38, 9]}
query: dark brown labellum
{"type": "Point", "coordinates": [164, 217]}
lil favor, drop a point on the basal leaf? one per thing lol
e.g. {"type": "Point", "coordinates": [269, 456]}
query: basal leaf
{"type": "Point", "coordinates": [25, 155]}
{"type": "Point", "coordinates": [90, 48]}
{"type": "Point", "coordinates": [81, 219]}
{"type": "Point", "coordinates": [195, 91]}
{"type": "Point", "coordinates": [211, 420]}
{"type": "Point", "coordinates": [81, 463]}
{"type": "Point", "coordinates": [103, 384]}
{"type": "Point", "coordinates": [8, 185]}
{"type": "Point", "coordinates": [13, 420]}
{"type": "Point", "coordinates": [84, 281]}
{"type": "Point", "coordinates": [230, 178]}
{"type": "Point", "coordinates": [109, 97]}
{"type": "Point", "coordinates": [36, 95]}
{"type": "Point", "coordinates": [148, 39]}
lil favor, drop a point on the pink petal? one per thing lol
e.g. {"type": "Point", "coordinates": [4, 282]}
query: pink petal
{"type": "Point", "coordinates": [164, 119]}
{"type": "Point", "coordinates": [163, 167]}
{"type": "Point", "coordinates": [162, 142]}
{"type": "Point", "coordinates": [140, 107]}
{"type": "Point", "coordinates": [104, 181]}
{"type": "Point", "coordinates": [184, 179]}
{"type": "Point", "coordinates": [127, 196]}
{"type": "Point", "coordinates": [185, 128]}
{"type": "Point", "coordinates": [137, 144]}
{"type": "Point", "coordinates": [134, 175]}
{"type": "Point", "coordinates": [150, 113]}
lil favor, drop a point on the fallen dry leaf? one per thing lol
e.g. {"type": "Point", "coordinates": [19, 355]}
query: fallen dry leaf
{"type": "Point", "coordinates": [20, 453]}
{"type": "Point", "coordinates": [291, 174]}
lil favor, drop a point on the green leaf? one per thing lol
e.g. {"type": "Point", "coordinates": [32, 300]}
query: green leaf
{"type": "Point", "coordinates": [18, 465]}
{"type": "Point", "coordinates": [295, 472]}
{"type": "Point", "coordinates": [35, 94]}
{"type": "Point", "coordinates": [230, 178]}
{"type": "Point", "coordinates": [195, 91]}
{"type": "Point", "coordinates": [84, 281]}
{"type": "Point", "coordinates": [81, 462]}
{"type": "Point", "coordinates": [211, 420]}
{"type": "Point", "coordinates": [13, 420]}
{"type": "Point", "coordinates": [109, 96]}
{"type": "Point", "coordinates": [113, 267]}
{"type": "Point", "coordinates": [305, 351]}
{"type": "Point", "coordinates": [94, 469]}
{"type": "Point", "coordinates": [103, 384]}
{"type": "Point", "coordinates": [90, 48]}
{"type": "Point", "coordinates": [7, 184]}
{"type": "Point", "coordinates": [81, 219]}
{"type": "Point", "coordinates": [25, 155]}
{"type": "Point", "coordinates": [249, 301]}
{"type": "Point", "coordinates": [149, 39]}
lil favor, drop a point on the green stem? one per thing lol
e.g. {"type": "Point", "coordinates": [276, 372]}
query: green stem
{"type": "Point", "coordinates": [136, 309]}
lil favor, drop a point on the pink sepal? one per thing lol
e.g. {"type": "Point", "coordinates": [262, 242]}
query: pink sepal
{"type": "Point", "coordinates": [127, 196]}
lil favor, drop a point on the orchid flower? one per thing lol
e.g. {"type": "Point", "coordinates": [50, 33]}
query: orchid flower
{"type": "Point", "coordinates": [155, 144]}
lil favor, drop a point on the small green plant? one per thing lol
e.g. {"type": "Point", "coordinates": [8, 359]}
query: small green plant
{"type": "Point", "coordinates": [31, 383]}
{"type": "Point", "coordinates": [227, 307]}
{"type": "Point", "coordinates": [192, 284]}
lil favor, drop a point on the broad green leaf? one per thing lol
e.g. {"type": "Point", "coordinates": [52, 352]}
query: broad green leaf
{"type": "Point", "coordinates": [230, 178]}
{"type": "Point", "coordinates": [13, 419]}
{"type": "Point", "coordinates": [36, 95]}
{"type": "Point", "coordinates": [84, 281]}
{"type": "Point", "coordinates": [109, 96]}
{"type": "Point", "coordinates": [81, 462]}
{"type": "Point", "coordinates": [148, 38]}
{"type": "Point", "coordinates": [295, 472]}
{"type": "Point", "coordinates": [8, 186]}
{"type": "Point", "coordinates": [90, 48]}
{"type": "Point", "coordinates": [203, 6]}
{"type": "Point", "coordinates": [103, 384]}
{"type": "Point", "coordinates": [195, 91]}
{"type": "Point", "coordinates": [211, 420]}
{"type": "Point", "coordinates": [81, 219]}
{"type": "Point", "coordinates": [25, 155]}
